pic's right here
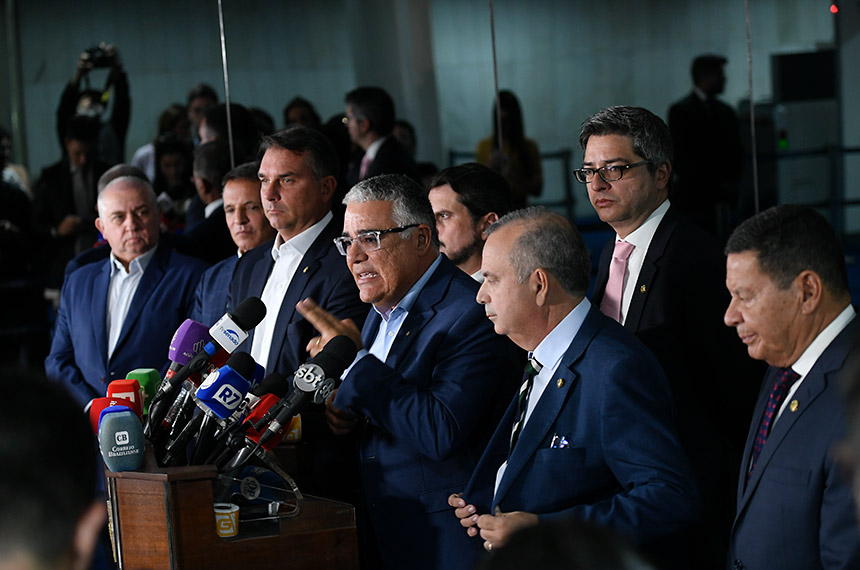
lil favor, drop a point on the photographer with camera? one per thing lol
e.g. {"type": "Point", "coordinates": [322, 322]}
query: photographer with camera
{"type": "Point", "coordinates": [80, 98]}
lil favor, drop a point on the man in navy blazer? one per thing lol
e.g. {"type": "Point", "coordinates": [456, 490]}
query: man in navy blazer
{"type": "Point", "coordinates": [673, 300]}
{"type": "Point", "coordinates": [792, 308]}
{"type": "Point", "coordinates": [427, 389]}
{"type": "Point", "coordinates": [297, 176]}
{"type": "Point", "coordinates": [592, 436]}
{"type": "Point", "coordinates": [243, 211]}
{"type": "Point", "coordinates": [120, 314]}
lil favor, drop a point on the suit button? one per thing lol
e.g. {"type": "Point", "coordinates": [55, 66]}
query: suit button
{"type": "Point", "coordinates": [738, 565]}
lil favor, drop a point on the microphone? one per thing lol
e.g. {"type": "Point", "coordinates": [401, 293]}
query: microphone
{"type": "Point", "coordinates": [314, 381]}
{"type": "Point", "coordinates": [259, 400]}
{"type": "Point", "coordinates": [227, 334]}
{"type": "Point", "coordinates": [127, 390]}
{"type": "Point", "coordinates": [148, 378]}
{"type": "Point", "coordinates": [98, 405]}
{"type": "Point", "coordinates": [219, 395]}
{"type": "Point", "coordinates": [121, 439]}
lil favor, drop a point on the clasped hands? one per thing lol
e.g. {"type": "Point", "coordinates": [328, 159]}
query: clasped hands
{"type": "Point", "coordinates": [494, 529]}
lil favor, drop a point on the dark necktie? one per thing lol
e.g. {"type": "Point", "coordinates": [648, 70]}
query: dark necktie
{"type": "Point", "coordinates": [784, 380]}
{"type": "Point", "coordinates": [532, 368]}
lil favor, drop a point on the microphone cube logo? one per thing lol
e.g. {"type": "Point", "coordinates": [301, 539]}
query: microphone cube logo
{"type": "Point", "coordinates": [122, 438]}
{"type": "Point", "coordinates": [229, 396]}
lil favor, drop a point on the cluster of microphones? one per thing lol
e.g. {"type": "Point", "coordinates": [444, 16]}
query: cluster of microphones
{"type": "Point", "coordinates": [214, 406]}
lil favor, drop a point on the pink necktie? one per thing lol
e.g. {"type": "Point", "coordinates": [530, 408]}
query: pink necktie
{"type": "Point", "coordinates": [365, 164]}
{"type": "Point", "coordinates": [611, 304]}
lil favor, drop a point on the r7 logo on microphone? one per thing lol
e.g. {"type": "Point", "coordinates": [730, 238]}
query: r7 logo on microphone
{"type": "Point", "coordinates": [228, 396]}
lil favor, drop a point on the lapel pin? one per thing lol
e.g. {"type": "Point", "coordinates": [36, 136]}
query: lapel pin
{"type": "Point", "coordinates": [305, 270]}
{"type": "Point", "coordinates": [642, 289]}
{"type": "Point", "coordinates": [793, 405]}
{"type": "Point", "coordinates": [407, 333]}
{"type": "Point", "coordinates": [559, 382]}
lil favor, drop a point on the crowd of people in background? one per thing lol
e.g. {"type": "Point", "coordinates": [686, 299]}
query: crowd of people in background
{"type": "Point", "coordinates": [641, 434]}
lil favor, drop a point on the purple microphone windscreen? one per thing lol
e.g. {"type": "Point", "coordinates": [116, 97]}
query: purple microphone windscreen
{"type": "Point", "coordinates": [187, 341]}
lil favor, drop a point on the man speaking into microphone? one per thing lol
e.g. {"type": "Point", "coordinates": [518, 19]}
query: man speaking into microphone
{"type": "Point", "coordinates": [429, 384]}
{"type": "Point", "coordinates": [119, 314]}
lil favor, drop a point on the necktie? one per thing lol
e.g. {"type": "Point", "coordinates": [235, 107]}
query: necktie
{"type": "Point", "coordinates": [532, 369]}
{"type": "Point", "coordinates": [611, 303]}
{"type": "Point", "coordinates": [365, 164]}
{"type": "Point", "coordinates": [786, 378]}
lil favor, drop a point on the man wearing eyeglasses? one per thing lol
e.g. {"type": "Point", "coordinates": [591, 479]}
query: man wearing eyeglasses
{"type": "Point", "coordinates": [429, 384]}
{"type": "Point", "coordinates": [663, 277]}
{"type": "Point", "coordinates": [297, 181]}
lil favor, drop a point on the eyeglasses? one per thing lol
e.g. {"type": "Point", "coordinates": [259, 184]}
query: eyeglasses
{"type": "Point", "coordinates": [367, 241]}
{"type": "Point", "coordinates": [607, 173]}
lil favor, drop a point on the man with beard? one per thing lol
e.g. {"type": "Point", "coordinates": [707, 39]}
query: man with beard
{"type": "Point", "coordinates": [466, 200]}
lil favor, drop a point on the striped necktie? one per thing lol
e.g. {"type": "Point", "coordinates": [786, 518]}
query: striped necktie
{"type": "Point", "coordinates": [532, 369]}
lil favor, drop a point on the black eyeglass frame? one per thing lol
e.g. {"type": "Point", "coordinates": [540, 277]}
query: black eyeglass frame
{"type": "Point", "coordinates": [581, 174]}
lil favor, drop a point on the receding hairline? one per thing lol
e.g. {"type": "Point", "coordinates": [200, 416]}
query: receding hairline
{"type": "Point", "coordinates": [128, 182]}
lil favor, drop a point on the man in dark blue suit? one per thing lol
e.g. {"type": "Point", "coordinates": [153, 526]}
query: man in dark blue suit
{"type": "Point", "coordinates": [671, 296]}
{"type": "Point", "coordinates": [297, 174]}
{"type": "Point", "coordinates": [792, 308]}
{"type": "Point", "coordinates": [249, 228]}
{"type": "Point", "coordinates": [120, 314]}
{"type": "Point", "coordinates": [592, 434]}
{"type": "Point", "coordinates": [428, 386]}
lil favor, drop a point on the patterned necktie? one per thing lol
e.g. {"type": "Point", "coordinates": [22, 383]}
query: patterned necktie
{"type": "Point", "coordinates": [786, 378]}
{"type": "Point", "coordinates": [532, 369]}
{"type": "Point", "coordinates": [611, 303]}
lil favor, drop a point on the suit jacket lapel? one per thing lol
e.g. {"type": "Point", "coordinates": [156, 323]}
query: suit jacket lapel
{"type": "Point", "coordinates": [148, 283]}
{"type": "Point", "coordinates": [99, 303]}
{"type": "Point", "coordinates": [602, 273]}
{"type": "Point", "coordinates": [813, 385]}
{"type": "Point", "coordinates": [421, 311]}
{"type": "Point", "coordinates": [550, 404]}
{"type": "Point", "coordinates": [308, 266]}
{"type": "Point", "coordinates": [650, 268]}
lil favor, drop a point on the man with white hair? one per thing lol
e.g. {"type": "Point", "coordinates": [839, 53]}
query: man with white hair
{"type": "Point", "coordinates": [119, 314]}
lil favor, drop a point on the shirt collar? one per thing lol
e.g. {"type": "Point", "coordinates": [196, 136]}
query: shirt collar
{"type": "Point", "coordinates": [409, 298]}
{"type": "Point", "coordinates": [212, 206]}
{"type": "Point", "coordinates": [810, 356]}
{"type": "Point", "coordinates": [302, 242]}
{"type": "Point", "coordinates": [139, 263]}
{"type": "Point", "coordinates": [371, 151]}
{"type": "Point", "coordinates": [642, 235]}
{"type": "Point", "coordinates": [553, 346]}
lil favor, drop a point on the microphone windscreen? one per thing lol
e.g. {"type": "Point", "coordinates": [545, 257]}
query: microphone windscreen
{"type": "Point", "coordinates": [149, 379]}
{"type": "Point", "coordinates": [223, 391]}
{"type": "Point", "coordinates": [274, 383]}
{"type": "Point", "coordinates": [336, 356]}
{"type": "Point", "coordinates": [121, 439]}
{"type": "Point", "coordinates": [249, 313]}
{"type": "Point", "coordinates": [127, 389]}
{"type": "Point", "coordinates": [187, 341]}
{"type": "Point", "coordinates": [244, 364]}
{"type": "Point", "coordinates": [98, 405]}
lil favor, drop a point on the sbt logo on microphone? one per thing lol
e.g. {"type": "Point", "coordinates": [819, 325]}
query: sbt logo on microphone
{"type": "Point", "coordinates": [229, 396]}
{"type": "Point", "coordinates": [122, 438]}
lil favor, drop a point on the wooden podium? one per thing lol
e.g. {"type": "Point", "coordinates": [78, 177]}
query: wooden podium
{"type": "Point", "coordinates": [164, 518]}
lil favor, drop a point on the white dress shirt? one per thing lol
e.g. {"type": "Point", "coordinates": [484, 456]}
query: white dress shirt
{"type": "Point", "coordinates": [641, 239]}
{"type": "Point", "coordinates": [123, 286]}
{"type": "Point", "coordinates": [287, 256]}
